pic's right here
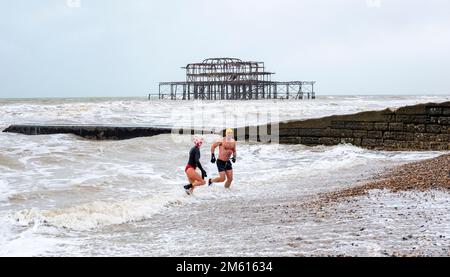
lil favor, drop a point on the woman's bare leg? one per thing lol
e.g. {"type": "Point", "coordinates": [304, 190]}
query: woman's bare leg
{"type": "Point", "coordinates": [190, 179]}
{"type": "Point", "coordinates": [195, 178]}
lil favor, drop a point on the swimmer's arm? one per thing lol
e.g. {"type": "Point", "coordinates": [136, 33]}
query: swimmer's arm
{"type": "Point", "coordinates": [234, 150]}
{"type": "Point", "coordinates": [199, 165]}
{"type": "Point", "coordinates": [197, 160]}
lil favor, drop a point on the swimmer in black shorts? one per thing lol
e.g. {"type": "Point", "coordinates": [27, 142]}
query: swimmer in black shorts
{"type": "Point", "coordinates": [227, 151]}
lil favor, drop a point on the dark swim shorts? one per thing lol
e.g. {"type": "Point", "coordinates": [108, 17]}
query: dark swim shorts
{"type": "Point", "coordinates": [223, 166]}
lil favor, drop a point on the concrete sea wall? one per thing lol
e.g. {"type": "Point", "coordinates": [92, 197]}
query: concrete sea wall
{"type": "Point", "coordinates": [419, 127]}
{"type": "Point", "coordinates": [94, 132]}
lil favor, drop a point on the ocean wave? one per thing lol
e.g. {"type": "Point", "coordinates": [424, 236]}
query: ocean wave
{"type": "Point", "coordinates": [185, 113]}
{"type": "Point", "coordinates": [99, 213]}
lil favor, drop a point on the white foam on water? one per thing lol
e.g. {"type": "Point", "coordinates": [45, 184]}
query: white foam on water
{"type": "Point", "coordinates": [180, 113]}
{"type": "Point", "coordinates": [5, 190]}
{"type": "Point", "coordinates": [98, 214]}
{"type": "Point", "coordinates": [119, 200]}
{"type": "Point", "coordinates": [28, 242]}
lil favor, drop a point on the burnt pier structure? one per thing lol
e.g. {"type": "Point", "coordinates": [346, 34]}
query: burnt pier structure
{"type": "Point", "coordinates": [232, 79]}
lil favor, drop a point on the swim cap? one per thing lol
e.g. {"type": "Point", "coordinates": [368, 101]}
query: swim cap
{"type": "Point", "coordinates": [229, 131]}
{"type": "Point", "coordinates": [198, 141]}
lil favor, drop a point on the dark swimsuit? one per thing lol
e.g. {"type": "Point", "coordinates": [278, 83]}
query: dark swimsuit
{"type": "Point", "coordinates": [224, 166]}
{"type": "Point", "coordinates": [194, 159]}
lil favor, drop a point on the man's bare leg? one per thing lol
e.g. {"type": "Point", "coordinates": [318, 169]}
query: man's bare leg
{"type": "Point", "coordinates": [219, 179]}
{"type": "Point", "coordinates": [229, 174]}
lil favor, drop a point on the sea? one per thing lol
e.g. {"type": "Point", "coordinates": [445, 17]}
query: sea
{"type": "Point", "coordinates": [63, 195]}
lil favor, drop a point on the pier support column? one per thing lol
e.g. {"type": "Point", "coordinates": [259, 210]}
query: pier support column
{"type": "Point", "coordinates": [189, 91]}
{"type": "Point", "coordinates": [312, 91]}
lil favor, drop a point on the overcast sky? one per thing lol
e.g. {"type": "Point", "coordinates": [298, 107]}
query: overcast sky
{"type": "Point", "coordinates": [60, 48]}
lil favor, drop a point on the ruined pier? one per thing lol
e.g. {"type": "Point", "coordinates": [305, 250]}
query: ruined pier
{"type": "Point", "coordinates": [232, 79]}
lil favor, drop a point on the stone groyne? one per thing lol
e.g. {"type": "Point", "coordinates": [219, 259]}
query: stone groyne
{"type": "Point", "coordinates": [418, 127]}
{"type": "Point", "coordinates": [96, 132]}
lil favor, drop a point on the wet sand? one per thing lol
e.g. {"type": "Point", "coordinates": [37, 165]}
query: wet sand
{"type": "Point", "coordinates": [402, 212]}
{"type": "Point", "coordinates": [423, 176]}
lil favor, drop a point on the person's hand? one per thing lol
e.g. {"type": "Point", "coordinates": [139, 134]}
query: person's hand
{"type": "Point", "coordinates": [213, 158]}
{"type": "Point", "coordinates": [204, 175]}
{"type": "Point", "coordinates": [233, 159]}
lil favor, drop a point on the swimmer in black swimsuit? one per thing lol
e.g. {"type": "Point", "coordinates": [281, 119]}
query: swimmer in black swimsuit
{"type": "Point", "coordinates": [194, 178]}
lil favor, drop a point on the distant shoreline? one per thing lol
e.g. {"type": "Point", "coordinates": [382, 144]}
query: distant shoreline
{"type": "Point", "coordinates": [145, 97]}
